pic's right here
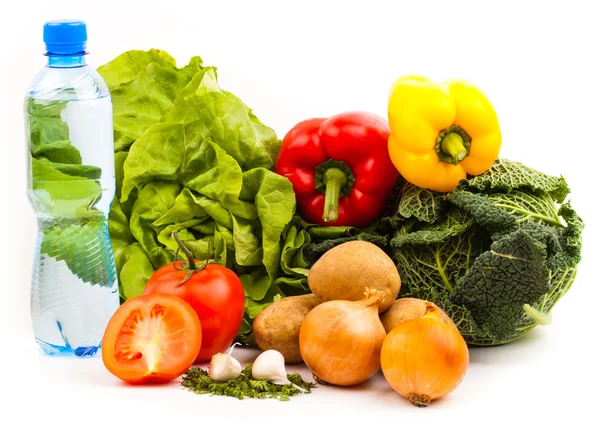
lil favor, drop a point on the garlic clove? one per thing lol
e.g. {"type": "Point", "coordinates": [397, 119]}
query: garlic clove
{"type": "Point", "coordinates": [224, 367]}
{"type": "Point", "coordinates": [270, 366]}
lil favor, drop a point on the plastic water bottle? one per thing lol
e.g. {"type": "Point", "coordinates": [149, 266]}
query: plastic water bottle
{"type": "Point", "coordinates": [71, 185]}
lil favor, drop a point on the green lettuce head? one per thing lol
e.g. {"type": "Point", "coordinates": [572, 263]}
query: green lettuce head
{"type": "Point", "coordinates": [193, 158]}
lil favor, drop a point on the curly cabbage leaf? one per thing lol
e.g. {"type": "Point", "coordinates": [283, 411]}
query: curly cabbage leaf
{"type": "Point", "coordinates": [506, 175]}
{"type": "Point", "coordinates": [422, 204]}
{"type": "Point", "coordinates": [496, 254]}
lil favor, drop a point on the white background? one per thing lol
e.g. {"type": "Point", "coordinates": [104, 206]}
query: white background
{"type": "Point", "coordinates": [536, 61]}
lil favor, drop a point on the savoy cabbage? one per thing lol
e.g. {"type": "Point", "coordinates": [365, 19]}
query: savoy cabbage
{"type": "Point", "coordinates": [496, 253]}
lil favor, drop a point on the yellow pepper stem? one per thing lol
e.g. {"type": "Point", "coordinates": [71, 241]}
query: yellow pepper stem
{"type": "Point", "coordinates": [453, 145]}
{"type": "Point", "coordinates": [334, 180]}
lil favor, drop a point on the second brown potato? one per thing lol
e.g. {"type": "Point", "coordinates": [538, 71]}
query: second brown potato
{"type": "Point", "coordinates": [278, 326]}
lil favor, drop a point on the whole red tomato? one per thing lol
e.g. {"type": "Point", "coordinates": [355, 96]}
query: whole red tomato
{"type": "Point", "coordinates": [214, 292]}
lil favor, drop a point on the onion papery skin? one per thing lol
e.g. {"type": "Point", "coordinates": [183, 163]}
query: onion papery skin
{"type": "Point", "coordinates": [340, 342]}
{"type": "Point", "coordinates": [424, 359]}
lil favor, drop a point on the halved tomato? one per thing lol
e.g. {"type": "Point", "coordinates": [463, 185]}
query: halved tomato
{"type": "Point", "coordinates": [151, 339]}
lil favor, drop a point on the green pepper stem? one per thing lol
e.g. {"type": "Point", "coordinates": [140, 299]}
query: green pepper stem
{"type": "Point", "coordinates": [453, 145]}
{"type": "Point", "coordinates": [334, 180]}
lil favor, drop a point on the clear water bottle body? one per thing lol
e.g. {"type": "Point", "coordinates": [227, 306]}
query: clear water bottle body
{"type": "Point", "coordinates": [71, 185]}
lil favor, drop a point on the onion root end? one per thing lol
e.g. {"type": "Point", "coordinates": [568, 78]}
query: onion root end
{"type": "Point", "coordinates": [419, 400]}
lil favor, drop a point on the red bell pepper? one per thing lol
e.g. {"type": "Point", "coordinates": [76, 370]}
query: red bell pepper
{"type": "Point", "coordinates": [340, 168]}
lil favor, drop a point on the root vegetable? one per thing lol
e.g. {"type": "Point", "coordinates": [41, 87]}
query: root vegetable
{"type": "Point", "coordinates": [270, 366]}
{"type": "Point", "coordinates": [345, 271]}
{"type": "Point", "coordinates": [424, 358]}
{"type": "Point", "coordinates": [340, 341]}
{"type": "Point", "coordinates": [224, 367]}
{"type": "Point", "coordinates": [410, 308]}
{"type": "Point", "coordinates": [278, 326]}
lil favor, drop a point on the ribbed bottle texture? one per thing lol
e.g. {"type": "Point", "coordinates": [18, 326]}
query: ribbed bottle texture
{"type": "Point", "coordinates": [74, 288]}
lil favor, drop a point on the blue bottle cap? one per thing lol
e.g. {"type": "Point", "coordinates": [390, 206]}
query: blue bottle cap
{"type": "Point", "coordinates": [65, 37]}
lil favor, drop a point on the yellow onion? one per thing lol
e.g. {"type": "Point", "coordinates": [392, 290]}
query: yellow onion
{"type": "Point", "coordinates": [424, 358]}
{"type": "Point", "coordinates": [340, 340]}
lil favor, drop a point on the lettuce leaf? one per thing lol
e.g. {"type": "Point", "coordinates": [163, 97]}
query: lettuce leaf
{"type": "Point", "coordinates": [143, 87]}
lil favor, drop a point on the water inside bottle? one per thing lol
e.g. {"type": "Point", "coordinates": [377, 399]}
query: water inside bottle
{"type": "Point", "coordinates": [74, 285]}
{"type": "Point", "coordinates": [69, 314]}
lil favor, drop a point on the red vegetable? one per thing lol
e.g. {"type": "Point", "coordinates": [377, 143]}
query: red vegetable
{"type": "Point", "coordinates": [151, 339]}
{"type": "Point", "coordinates": [340, 168]}
{"type": "Point", "coordinates": [214, 292]}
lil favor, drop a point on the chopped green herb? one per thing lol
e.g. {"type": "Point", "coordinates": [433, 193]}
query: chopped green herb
{"type": "Point", "coordinates": [198, 381]}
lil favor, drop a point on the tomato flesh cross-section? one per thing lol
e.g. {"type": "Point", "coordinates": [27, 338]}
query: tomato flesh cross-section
{"type": "Point", "coordinates": [151, 339]}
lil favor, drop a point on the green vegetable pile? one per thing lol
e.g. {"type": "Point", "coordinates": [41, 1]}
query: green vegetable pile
{"type": "Point", "coordinates": [198, 381]}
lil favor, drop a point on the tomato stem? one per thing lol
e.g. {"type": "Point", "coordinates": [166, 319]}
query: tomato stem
{"type": "Point", "coordinates": [189, 266]}
{"type": "Point", "coordinates": [190, 256]}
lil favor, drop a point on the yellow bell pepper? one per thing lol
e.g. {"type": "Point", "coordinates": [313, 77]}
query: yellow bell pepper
{"type": "Point", "coordinates": [440, 133]}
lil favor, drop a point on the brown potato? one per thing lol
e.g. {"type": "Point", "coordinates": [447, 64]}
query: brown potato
{"type": "Point", "coordinates": [278, 326]}
{"type": "Point", "coordinates": [410, 308]}
{"type": "Point", "coordinates": [343, 273]}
